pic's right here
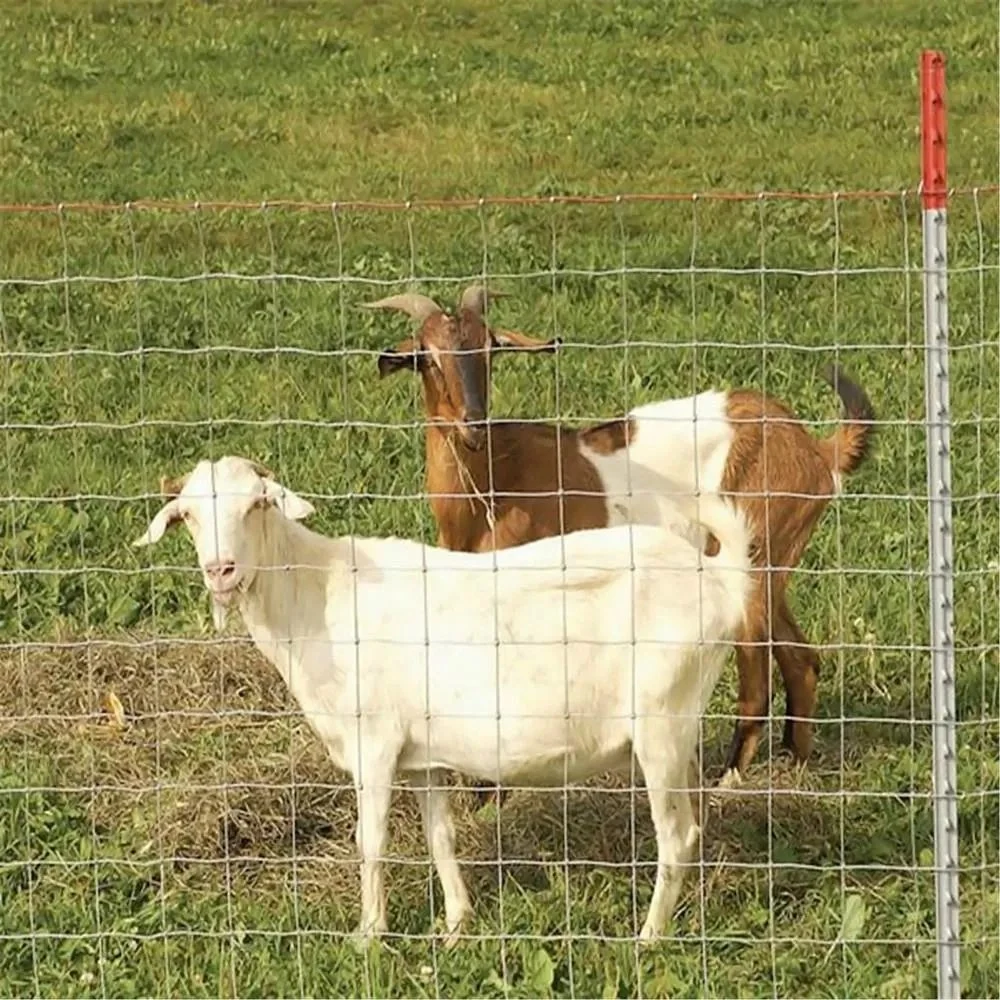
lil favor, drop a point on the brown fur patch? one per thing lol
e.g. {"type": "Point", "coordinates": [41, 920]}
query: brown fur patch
{"type": "Point", "coordinates": [542, 486]}
{"type": "Point", "coordinates": [609, 437]}
{"type": "Point", "coordinates": [781, 479]}
{"type": "Point", "coordinates": [779, 474]}
{"type": "Point", "coordinates": [712, 545]}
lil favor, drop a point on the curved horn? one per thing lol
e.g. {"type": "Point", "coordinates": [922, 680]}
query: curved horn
{"type": "Point", "coordinates": [419, 307]}
{"type": "Point", "coordinates": [475, 298]}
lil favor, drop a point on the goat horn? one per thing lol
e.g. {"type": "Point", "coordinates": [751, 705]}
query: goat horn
{"type": "Point", "coordinates": [475, 297]}
{"type": "Point", "coordinates": [419, 307]}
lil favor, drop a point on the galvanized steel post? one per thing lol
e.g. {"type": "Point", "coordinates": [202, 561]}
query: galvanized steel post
{"type": "Point", "coordinates": [934, 177]}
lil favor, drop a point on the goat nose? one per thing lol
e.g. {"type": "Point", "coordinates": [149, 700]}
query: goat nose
{"type": "Point", "coordinates": [474, 439]}
{"type": "Point", "coordinates": [220, 569]}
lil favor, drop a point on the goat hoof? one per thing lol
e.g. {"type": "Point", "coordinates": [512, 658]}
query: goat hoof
{"type": "Point", "coordinates": [648, 936]}
{"type": "Point", "coordinates": [362, 942]}
{"type": "Point", "coordinates": [797, 735]}
{"type": "Point", "coordinates": [364, 937]}
{"type": "Point", "coordinates": [731, 779]}
{"type": "Point", "coordinates": [799, 746]}
{"type": "Point", "coordinates": [454, 933]}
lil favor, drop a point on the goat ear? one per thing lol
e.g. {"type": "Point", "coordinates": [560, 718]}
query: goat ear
{"type": "Point", "coordinates": [167, 517]}
{"type": "Point", "coordinates": [514, 340]}
{"type": "Point", "coordinates": [402, 357]}
{"type": "Point", "coordinates": [290, 504]}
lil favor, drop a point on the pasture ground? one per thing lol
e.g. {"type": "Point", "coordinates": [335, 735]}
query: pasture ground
{"type": "Point", "coordinates": [199, 845]}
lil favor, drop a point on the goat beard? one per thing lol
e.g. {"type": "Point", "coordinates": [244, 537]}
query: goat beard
{"type": "Point", "coordinates": [220, 612]}
{"type": "Point", "coordinates": [224, 601]}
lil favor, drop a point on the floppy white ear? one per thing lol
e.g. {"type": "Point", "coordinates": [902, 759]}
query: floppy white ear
{"type": "Point", "coordinates": [290, 504]}
{"type": "Point", "coordinates": [168, 516]}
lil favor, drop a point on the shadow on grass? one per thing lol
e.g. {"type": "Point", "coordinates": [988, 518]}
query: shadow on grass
{"type": "Point", "coordinates": [211, 762]}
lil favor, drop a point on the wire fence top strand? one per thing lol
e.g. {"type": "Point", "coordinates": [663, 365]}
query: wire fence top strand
{"type": "Point", "coordinates": [186, 205]}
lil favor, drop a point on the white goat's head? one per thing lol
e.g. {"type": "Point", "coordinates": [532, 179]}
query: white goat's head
{"type": "Point", "coordinates": [221, 504]}
{"type": "Point", "coordinates": [452, 354]}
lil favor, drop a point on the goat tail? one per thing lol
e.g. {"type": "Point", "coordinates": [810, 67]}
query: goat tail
{"type": "Point", "coordinates": [729, 535]}
{"type": "Point", "coordinates": [849, 445]}
{"type": "Point", "coordinates": [726, 547]}
{"type": "Point", "coordinates": [724, 521]}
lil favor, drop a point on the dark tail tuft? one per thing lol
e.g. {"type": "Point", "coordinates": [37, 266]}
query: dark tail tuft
{"type": "Point", "coordinates": [851, 443]}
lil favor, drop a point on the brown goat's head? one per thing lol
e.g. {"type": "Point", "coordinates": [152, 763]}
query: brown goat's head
{"type": "Point", "coordinates": [452, 354]}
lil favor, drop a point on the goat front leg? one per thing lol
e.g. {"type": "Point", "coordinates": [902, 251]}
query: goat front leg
{"type": "Point", "coordinates": [431, 794]}
{"type": "Point", "coordinates": [799, 665]}
{"type": "Point", "coordinates": [677, 836]}
{"type": "Point", "coordinates": [374, 797]}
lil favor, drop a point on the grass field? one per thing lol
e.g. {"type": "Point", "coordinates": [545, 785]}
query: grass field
{"type": "Point", "coordinates": [204, 846]}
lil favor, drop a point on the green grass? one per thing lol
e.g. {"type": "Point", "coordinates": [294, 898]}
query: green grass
{"type": "Point", "coordinates": [205, 849]}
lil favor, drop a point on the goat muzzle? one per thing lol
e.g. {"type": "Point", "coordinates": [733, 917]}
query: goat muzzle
{"type": "Point", "coordinates": [473, 432]}
{"type": "Point", "coordinates": [222, 580]}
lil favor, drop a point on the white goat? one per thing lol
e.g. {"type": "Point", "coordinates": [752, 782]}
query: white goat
{"type": "Point", "coordinates": [542, 664]}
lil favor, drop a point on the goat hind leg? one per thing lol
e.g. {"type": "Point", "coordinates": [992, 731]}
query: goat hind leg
{"type": "Point", "coordinates": [432, 798]}
{"type": "Point", "coordinates": [754, 701]}
{"type": "Point", "coordinates": [799, 665]}
{"type": "Point", "coordinates": [676, 837]}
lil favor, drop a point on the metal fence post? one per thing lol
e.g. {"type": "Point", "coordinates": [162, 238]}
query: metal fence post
{"type": "Point", "coordinates": [938, 417]}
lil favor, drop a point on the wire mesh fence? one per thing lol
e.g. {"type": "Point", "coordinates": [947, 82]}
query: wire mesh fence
{"type": "Point", "coordinates": [170, 824]}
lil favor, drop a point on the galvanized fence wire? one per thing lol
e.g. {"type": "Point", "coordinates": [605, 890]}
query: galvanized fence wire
{"type": "Point", "coordinates": [139, 338]}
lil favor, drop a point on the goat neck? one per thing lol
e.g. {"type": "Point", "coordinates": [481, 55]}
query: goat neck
{"type": "Point", "coordinates": [457, 479]}
{"type": "Point", "coordinates": [286, 603]}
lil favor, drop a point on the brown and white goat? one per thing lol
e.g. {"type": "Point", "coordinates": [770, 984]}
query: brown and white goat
{"type": "Point", "coordinates": [499, 484]}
